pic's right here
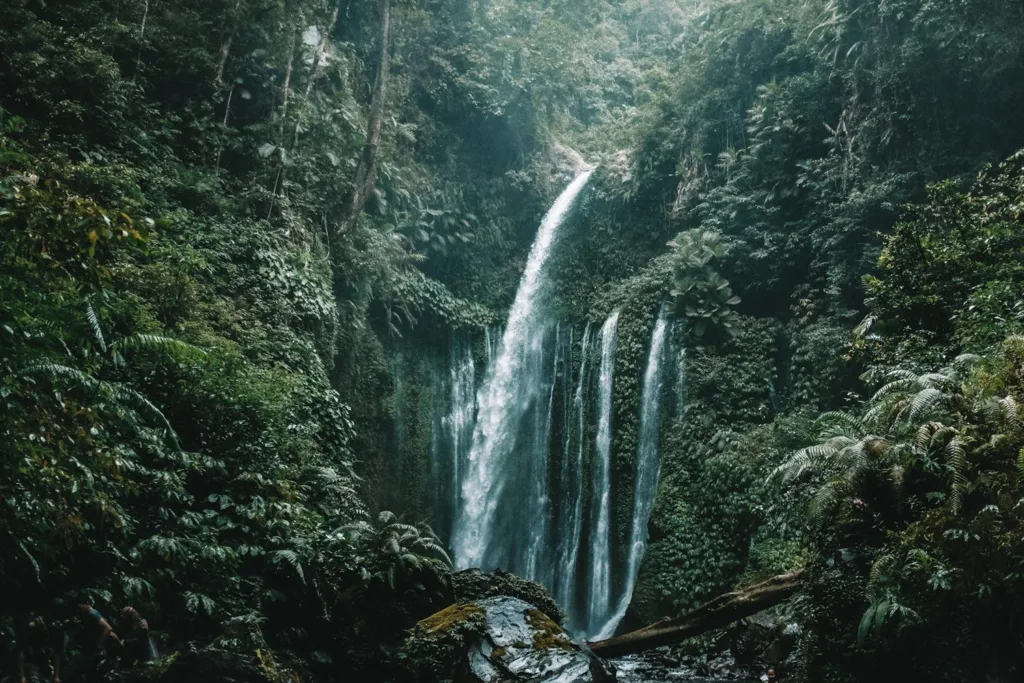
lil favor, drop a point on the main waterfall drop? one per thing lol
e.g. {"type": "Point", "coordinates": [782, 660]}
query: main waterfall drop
{"type": "Point", "coordinates": [499, 486]}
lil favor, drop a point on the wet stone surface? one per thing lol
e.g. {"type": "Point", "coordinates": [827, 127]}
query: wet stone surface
{"type": "Point", "coordinates": [660, 667]}
{"type": "Point", "coordinates": [520, 643]}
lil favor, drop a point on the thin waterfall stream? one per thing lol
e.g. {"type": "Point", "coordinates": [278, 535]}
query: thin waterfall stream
{"type": "Point", "coordinates": [572, 482]}
{"type": "Point", "coordinates": [600, 575]}
{"type": "Point", "coordinates": [647, 467]}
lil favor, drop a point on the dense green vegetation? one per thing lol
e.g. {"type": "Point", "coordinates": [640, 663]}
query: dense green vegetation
{"type": "Point", "coordinates": [215, 378]}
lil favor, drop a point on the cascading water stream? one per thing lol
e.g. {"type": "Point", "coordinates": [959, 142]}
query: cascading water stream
{"type": "Point", "coordinates": [647, 467]}
{"type": "Point", "coordinates": [572, 482]}
{"type": "Point", "coordinates": [459, 421]}
{"type": "Point", "coordinates": [514, 392]}
{"type": "Point", "coordinates": [600, 575]}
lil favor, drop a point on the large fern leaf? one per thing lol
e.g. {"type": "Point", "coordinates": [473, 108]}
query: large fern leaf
{"type": "Point", "coordinates": [291, 558]}
{"type": "Point", "coordinates": [168, 345]}
{"type": "Point", "coordinates": [923, 402]}
{"type": "Point", "coordinates": [957, 453]}
{"type": "Point", "coordinates": [94, 323]}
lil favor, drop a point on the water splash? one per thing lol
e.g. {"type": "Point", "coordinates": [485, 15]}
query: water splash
{"type": "Point", "coordinates": [647, 467]}
{"type": "Point", "coordinates": [600, 579]}
{"type": "Point", "coordinates": [511, 394]}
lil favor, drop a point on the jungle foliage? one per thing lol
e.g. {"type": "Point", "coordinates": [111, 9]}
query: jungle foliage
{"type": "Point", "coordinates": [198, 391]}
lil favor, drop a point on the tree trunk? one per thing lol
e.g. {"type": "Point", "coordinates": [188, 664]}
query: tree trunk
{"type": "Point", "coordinates": [142, 37]}
{"type": "Point", "coordinates": [366, 172]}
{"type": "Point", "coordinates": [287, 87]}
{"type": "Point", "coordinates": [720, 612]}
{"type": "Point", "coordinates": [225, 48]}
{"type": "Point", "coordinates": [318, 58]}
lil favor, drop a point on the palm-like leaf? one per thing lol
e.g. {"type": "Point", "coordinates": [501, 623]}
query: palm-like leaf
{"type": "Point", "coordinates": [117, 393]}
{"type": "Point", "coordinates": [94, 323]}
{"type": "Point", "coordinates": [151, 342]}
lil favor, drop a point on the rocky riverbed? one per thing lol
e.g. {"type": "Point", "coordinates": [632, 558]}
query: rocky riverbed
{"type": "Point", "coordinates": [659, 667]}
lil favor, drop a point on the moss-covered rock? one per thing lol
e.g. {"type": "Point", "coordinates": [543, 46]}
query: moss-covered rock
{"type": "Point", "coordinates": [496, 640]}
{"type": "Point", "coordinates": [438, 643]}
{"type": "Point", "coordinates": [473, 584]}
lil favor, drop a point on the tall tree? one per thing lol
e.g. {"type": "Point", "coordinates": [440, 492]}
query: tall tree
{"type": "Point", "coordinates": [366, 173]}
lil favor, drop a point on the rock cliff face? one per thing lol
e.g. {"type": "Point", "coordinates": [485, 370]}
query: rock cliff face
{"type": "Point", "coordinates": [499, 640]}
{"type": "Point", "coordinates": [567, 160]}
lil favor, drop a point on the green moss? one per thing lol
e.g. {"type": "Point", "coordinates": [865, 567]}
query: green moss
{"type": "Point", "coordinates": [473, 584]}
{"type": "Point", "coordinates": [450, 617]}
{"type": "Point", "coordinates": [548, 635]}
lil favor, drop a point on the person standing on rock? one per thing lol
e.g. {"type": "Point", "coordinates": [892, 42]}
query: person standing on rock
{"type": "Point", "coordinates": [137, 644]}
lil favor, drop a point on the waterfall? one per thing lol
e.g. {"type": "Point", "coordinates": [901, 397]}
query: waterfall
{"type": "Point", "coordinates": [647, 466]}
{"type": "Point", "coordinates": [537, 545]}
{"type": "Point", "coordinates": [458, 422]}
{"type": "Point", "coordinates": [572, 486]}
{"type": "Point", "coordinates": [454, 413]}
{"type": "Point", "coordinates": [493, 517]}
{"type": "Point", "coordinates": [600, 584]}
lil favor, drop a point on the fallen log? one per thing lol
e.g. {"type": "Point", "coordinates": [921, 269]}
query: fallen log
{"type": "Point", "coordinates": [717, 613]}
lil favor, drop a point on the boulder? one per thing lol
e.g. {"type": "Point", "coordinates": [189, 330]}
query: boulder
{"type": "Point", "coordinates": [499, 639]}
{"type": "Point", "coordinates": [472, 584]}
{"type": "Point", "coordinates": [567, 160]}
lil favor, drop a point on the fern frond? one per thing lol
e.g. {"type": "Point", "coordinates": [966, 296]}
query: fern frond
{"type": "Point", "coordinates": [137, 401]}
{"type": "Point", "coordinates": [881, 572]}
{"type": "Point", "coordinates": [897, 386]}
{"type": "Point", "coordinates": [822, 505]}
{"type": "Point", "coordinates": [839, 423]}
{"type": "Point", "coordinates": [57, 371]}
{"type": "Point", "coordinates": [936, 379]}
{"type": "Point", "coordinates": [1011, 412]}
{"type": "Point", "coordinates": [151, 342]}
{"type": "Point", "coordinates": [292, 559]}
{"type": "Point", "coordinates": [924, 401]}
{"type": "Point", "coordinates": [966, 361]}
{"type": "Point", "coordinates": [958, 466]}
{"type": "Point", "coordinates": [793, 467]}
{"type": "Point", "coordinates": [923, 437]}
{"type": "Point", "coordinates": [94, 323]}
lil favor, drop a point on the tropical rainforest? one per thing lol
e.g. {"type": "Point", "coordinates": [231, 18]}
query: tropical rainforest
{"type": "Point", "coordinates": [327, 325]}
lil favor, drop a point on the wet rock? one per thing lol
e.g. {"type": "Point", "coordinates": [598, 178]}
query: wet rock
{"type": "Point", "coordinates": [763, 640]}
{"type": "Point", "coordinates": [499, 640]}
{"type": "Point", "coordinates": [146, 673]}
{"type": "Point", "coordinates": [662, 667]}
{"type": "Point", "coordinates": [213, 665]}
{"type": "Point", "coordinates": [568, 160]}
{"type": "Point", "coordinates": [472, 584]}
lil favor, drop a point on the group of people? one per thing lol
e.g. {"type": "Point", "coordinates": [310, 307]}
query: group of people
{"type": "Point", "coordinates": [40, 645]}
